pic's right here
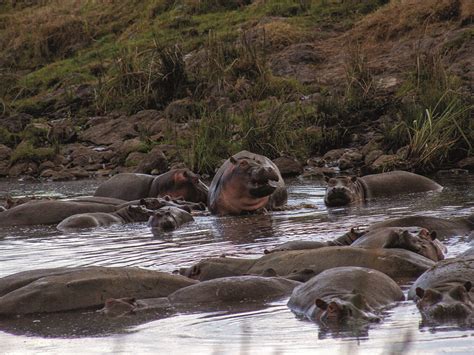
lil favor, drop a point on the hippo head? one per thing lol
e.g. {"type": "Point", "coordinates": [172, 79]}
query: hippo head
{"type": "Point", "coordinates": [341, 191]}
{"type": "Point", "coordinates": [183, 183]}
{"type": "Point", "coordinates": [137, 213]}
{"type": "Point", "coordinates": [153, 203]}
{"type": "Point", "coordinates": [163, 220]}
{"type": "Point", "coordinates": [258, 180]}
{"type": "Point", "coordinates": [354, 307]}
{"type": "Point", "coordinates": [449, 303]}
{"type": "Point", "coordinates": [423, 243]}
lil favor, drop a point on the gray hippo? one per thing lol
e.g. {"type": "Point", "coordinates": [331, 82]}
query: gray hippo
{"type": "Point", "coordinates": [399, 264]}
{"type": "Point", "coordinates": [444, 292]}
{"type": "Point", "coordinates": [346, 239]}
{"type": "Point", "coordinates": [444, 227]}
{"type": "Point", "coordinates": [167, 219]}
{"type": "Point", "coordinates": [246, 182]}
{"type": "Point", "coordinates": [176, 183]}
{"type": "Point", "coordinates": [217, 294]}
{"type": "Point", "coordinates": [415, 239]}
{"type": "Point", "coordinates": [64, 289]}
{"type": "Point", "coordinates": [345, 190]}
{"type": "Point", "coordinates": [342, 294]}
{"type": "Point", "coordinates": [128, 214]}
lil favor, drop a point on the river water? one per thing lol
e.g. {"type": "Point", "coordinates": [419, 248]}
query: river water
{"type": "Point", "coordinates": [273, 329]}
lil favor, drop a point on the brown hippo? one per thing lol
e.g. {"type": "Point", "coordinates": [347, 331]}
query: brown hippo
{"type": "Point", "coordinates": [346, 239]}
{"type": "Point", "coordinates": [218, 294]}
{"type": "Point", "coordinates": [443, 227]}
{"type": "Point", "coordinates": [444, 292]}
{"type": "Point", "coordinates": [342, 294]}
{"type": "Point", "coordinates": [399, 264]}
{"type": "Point", "coordinates": [415, 239]}
{"type": "Point", "coordinates": [176, 183]}
{"type": "Point", "coordinates": [128, 214]}
{"type": "Point", "coordinates": [246, 182]}
{"type": "Point", "coordinates": [168, 218]}
{"type": "Point", "coordinates": [63, 289]}
{"type": "Point", "coordinates": [344, 190]}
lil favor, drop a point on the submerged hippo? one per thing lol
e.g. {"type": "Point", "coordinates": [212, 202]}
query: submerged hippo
{"type": "Point", "coordinates": [445, 293]}
{"type": "Point", "coordinates": [218, 294]}
{"type": "Point", "coordinates": [443, 227]}
{"type": "Point", "coordinates": [246, 182]}
{"type": "Point", "coordinates": [399, 264]}
{"type": "Point", "coordinates": [419, 241]}
{"type": "Point", "coordinates": [176, 183]}
{"type": "Point", "coordinates": [128, 214]}
{"type": "Point", "coordinates": [342, 294]}
{"type": "Point", "coordinates": [63, 289]}
{"type": "Point", "coordinates": [344, 190]}
{"type": "Point", "coordinates": [168, 219]}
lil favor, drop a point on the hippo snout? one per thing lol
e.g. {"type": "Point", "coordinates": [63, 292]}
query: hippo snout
{"type": "Point", "coordinates": [337, 196]}
{"type": "Point", "coordinates": [448, 311]}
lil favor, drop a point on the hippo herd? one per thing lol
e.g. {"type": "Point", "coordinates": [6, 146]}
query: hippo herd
{"type": "Point", "coordinates": [352, 278]}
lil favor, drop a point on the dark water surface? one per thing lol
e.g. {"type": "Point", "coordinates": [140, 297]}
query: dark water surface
{"type": "Point", "coordinates": [272, 329]}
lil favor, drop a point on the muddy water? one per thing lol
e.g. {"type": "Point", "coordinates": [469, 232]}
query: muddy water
{"type": "Point", "coordinates": [272, 329]}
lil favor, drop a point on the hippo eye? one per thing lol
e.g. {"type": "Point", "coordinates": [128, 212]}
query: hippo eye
{"type": "Point", "coordinates": [243, 163]}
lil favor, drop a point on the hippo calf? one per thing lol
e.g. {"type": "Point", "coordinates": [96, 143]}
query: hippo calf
{"type": "Point", "coordinates": [417, 240]}
{"type": "Point", "coordinates": [444, 293]}
{"type": "Point", "coordinates": [342, 294]}
{"type": "Point", "coordinates": [345, 190]}
{"type": "Point", "coordinates": [168, 218]}
{"type": "Point", "coordinates": [443, 227]}
{"type": "Point", "coordinates": [128, 214]}
{"type": "Point", "coordinates": [246, 182]}
{"type": "Point", "coordinates": [176, 183]}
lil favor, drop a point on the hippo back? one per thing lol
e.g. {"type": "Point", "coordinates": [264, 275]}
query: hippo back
{"type": "Point", "coordinates": [126, 186]}
{"type": "Point", "coordinates": [396, 182]}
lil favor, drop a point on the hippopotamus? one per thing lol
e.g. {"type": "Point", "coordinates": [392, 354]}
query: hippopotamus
{"type": "Point", "coordinates": [399, 264]}
{"type": "Point", "coordinates": [168, 218]}
{"type": "Point", "coordinates": [342, 294]}
{"type": "Point", "coordinates": [444, 292]}
{"type": "Point", "coordinates": [246, 182]}
{"type": "Point", "coordinates": [176, 183]}
{"type": "Point", "coordinates": [218, 294]}
{"type": "Point", "coordinates": [128, 214]}
{"type": "Point", "coordinates": [444, 227]}
{"type": "Point", "coordinates": [345, 190]}
{"type": "Point", "coordinates": [346, 239]}
{"type": "Point", "coordinates": [417, 240]}
{"type": "Point", "coordinates": [64, 289]}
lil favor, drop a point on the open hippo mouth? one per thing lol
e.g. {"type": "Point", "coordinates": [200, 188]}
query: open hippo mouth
{"type": "Point", "coordinates": [261, 189]}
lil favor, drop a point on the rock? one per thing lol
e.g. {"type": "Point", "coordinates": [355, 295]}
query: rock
{"type": "Point", "coordinates": [109, 130]}
{"type": "Point", "coordinates": [316, 161]}
{"type": "Point", "coordinates": [466, 163]}
{"type": "Point", "coordinates": [123, 149]}
{"type": "Point", "coordinates": [288, 166]}
{"type": "Point", "coordinates": [18, 169]}
{"type": "Point", "coordinates": [373, 144]}
{"type": "Point", "coordinates": [80, 155]}
{"type": "Point", "coordinates": [56, 175]}
{"type": "Point", "coordinates": [46, 165]}
{"type": "Point", "coordinates": [154, 161]}
{"type": "Point", "coordinates": [4, 167]}
{"type": "Point", "coordinates": [62, 131]}
{"type": "Point", "coordinates": [182, 110]}
{"type": "Point", "coordinates": [79, 173]}
{"type": "Point", "coordinates": [372, 156]}
{"type": "Point", "coordinates": [5, 153]}
{"type": "Point", "coordinates": [403, 152]}
{"type": "Point", "coordinates": [134, 158]}
{"type": "Point", "coordinates": [16, 123]}
{"type": "Point", "coordinates": [386, 162]}
{"type": "Point", "coordinates": [318, 173]}
{"type": "Point", "coordinates": [334, 154]}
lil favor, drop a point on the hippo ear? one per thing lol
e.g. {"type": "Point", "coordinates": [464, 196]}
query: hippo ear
{"type": "Point", "coordinates": [233, 160]}
{"type": "Point", "coordinates": [142, 202]}
{"type": "Point", "coordinates": [420, 292]}
{"type": "Point", "coordinates": [321, 304]}
{"type": "Point", "coordinates": [433, 235]}
{"type": "Point", "coordinates": [353, 178]}
{"type": "Point", "coordinates": [468, 286]}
